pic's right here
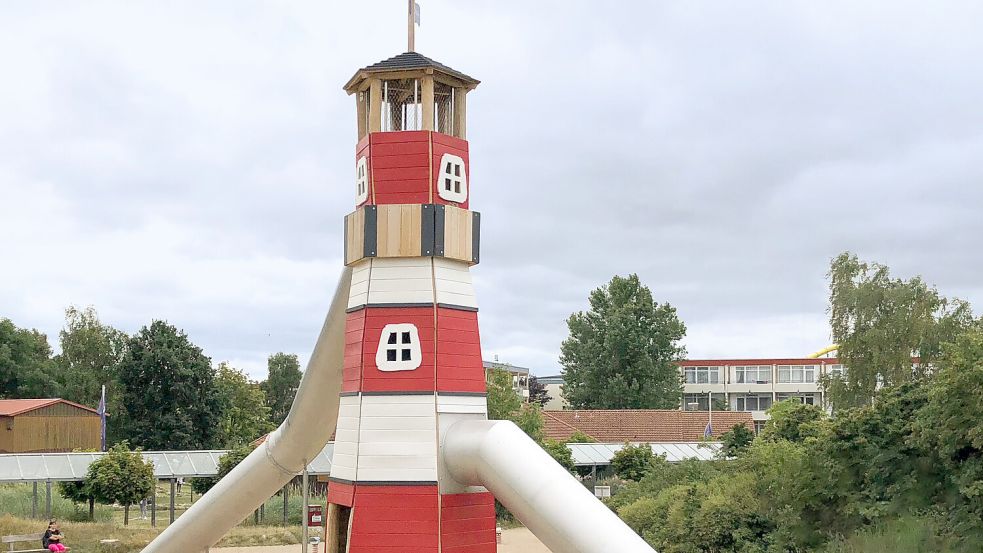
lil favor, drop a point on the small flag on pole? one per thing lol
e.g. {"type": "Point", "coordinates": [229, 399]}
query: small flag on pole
{"type": "Point", "coordinates": [102, 417]}
{"type": "Point", "coordinates": [708, 431]}
{"type": "Point", "coordinates": [416, 13]}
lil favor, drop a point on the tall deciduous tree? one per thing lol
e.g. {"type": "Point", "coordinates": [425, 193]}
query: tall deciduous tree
{"type": "Point", "coordinates": [537, 392]}
{"type": "Point", "coordinates": [121, 476]}
{"type": "Point", "coordinates": [245, 415]}
{"type": "Point", "coordinates": [170, 398]}
{"type": "Point", "coordinates": [880, 322]}
{"type": "Point", "coordinates": [91, 353]}
{"type": "Point", "coordinates": [26, 369]}
{"type": "Point", "coordinates": [281, 384]}
{"type": "Point", "coordinates": [622, 353]}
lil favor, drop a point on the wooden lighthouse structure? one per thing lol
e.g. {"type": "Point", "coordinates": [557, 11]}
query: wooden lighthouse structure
{"type": "Point", "coordinates": [412, 353]}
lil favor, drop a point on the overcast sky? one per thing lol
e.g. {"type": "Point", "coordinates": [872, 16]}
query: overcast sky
{"type": "Point", "coordinates": [193, 161]}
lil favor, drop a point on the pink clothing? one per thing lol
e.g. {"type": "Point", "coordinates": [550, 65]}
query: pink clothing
{"type": "Point", "coordinates": [56, 547]}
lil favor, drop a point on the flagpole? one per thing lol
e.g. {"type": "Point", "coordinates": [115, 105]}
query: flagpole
{"type": "Point", "coordinates": [411, 39]}
{"type": "Point", "coordinates": [102, 418]}
{"type": "Point", "coordinates": [710, 412]}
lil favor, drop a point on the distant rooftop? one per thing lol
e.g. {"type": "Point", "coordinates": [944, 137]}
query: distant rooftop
{"type": "Point", "coordinates": [640, 425]}
{"type": "Point", "coordinates": [14, 407]}
{"type": "Point", "coordinates": [504, 366]}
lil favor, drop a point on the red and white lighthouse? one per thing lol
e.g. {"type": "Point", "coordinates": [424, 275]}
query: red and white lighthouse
{"type": "Point", "coordinates": [412, 351]}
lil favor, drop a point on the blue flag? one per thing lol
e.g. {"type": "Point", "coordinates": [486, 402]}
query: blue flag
{"type": "Point", "coordinates": [708, 431]}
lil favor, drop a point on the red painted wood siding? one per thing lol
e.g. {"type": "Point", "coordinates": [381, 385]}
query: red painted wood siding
{"type": "Point", "coordinates": [467, 523]}
{"type": "Point", "coordinates": [395, 519]}
{"type": "Point", "coordinates": [399, 167]}
{"type": "Point", "coordinates": [459, 367]}
{"type": "Point", "coordinates": [420, 379]}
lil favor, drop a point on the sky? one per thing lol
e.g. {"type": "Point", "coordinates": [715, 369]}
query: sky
{"type": "Point", "coordinates": [193, 161]}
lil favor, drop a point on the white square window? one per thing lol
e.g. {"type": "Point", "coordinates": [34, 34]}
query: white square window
{"type": "Point", "coordinates": [361, 181]}
{"type": "Point", "coordinates": [399, 348]}
{"type": "Point", "coordinates": [452, 180]}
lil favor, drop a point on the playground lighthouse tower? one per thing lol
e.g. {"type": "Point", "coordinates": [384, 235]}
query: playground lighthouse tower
{"type": "Point", "coordinates": [412, 361]}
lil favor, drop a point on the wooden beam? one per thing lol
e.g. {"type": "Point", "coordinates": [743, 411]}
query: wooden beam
{"type": "Point", "coordinates": [427, 101]}
{"type": "Point", "coordinates": [331, 537]}
{"type": "Point", "coordinates": [460, 112]}
{"type": "Point", "coordinates": [375, 105]}
{"type": "Point", "coordinates": [361, 99]}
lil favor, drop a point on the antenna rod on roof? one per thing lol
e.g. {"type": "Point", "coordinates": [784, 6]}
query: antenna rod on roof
{"type": "Point", "coordinates": [410, 22]}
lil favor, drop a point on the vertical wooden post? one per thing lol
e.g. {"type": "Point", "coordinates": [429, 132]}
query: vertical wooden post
{"type": "Point", "coordinates": [34, 502]}
{"type": "Point", "coordinates": [173, 485]}
{"type": "Point", "coordinates": [427, 101]}
{"type": "Point", "coordinates": [153, 507]}
{"type": "Point", "coordinates": [286, 505]}
{"type": "Point", "coordinates": [262, 512]}
{"type": "Point", "coordinates": [375, 105]}
{"type": "Point", "coordinates": [460, 112]}
{"type": "Point", "coordinates": [331, 540]}
{"type": "Point", "coordinates": [47, 500]}
{"type": "Point", "coordinates": [410, 30]}
{"type": "Point", "coordinates": [361, 99]}
{"type": "Point", "coordinates": [307, 499]}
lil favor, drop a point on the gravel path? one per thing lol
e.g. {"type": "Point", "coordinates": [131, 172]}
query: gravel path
{"type": "Point", "coordinates": [516, 540]}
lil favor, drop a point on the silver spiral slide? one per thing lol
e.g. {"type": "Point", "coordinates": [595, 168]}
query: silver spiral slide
{"type": "Point", "coordinates": [307, 428]}
{"type": "Point", "coordinates": [495, 454]}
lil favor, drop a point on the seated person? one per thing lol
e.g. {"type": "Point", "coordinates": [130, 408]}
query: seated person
{"type": "Point", "coordinates": [53, 537]}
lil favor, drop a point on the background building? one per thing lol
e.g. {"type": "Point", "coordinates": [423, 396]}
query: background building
{"type": "Point", "coordinates": [753, 385]}
{"type": "Point", "coordinates": [554, 389]}
{"type": "Point", "coordinates": [520, 376]}
{"type": "Point", "coordinates": [47, 425]}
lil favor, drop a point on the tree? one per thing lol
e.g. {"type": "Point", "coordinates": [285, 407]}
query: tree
{"type": "Point", "coordinates": [632, 462]}
{"type": "Point", "coordinates": [121, 476]}
{"type": "Point", "coordinates": [880, 322]}
{"type": "Point", "coordinates": [579, 437]}
{"type": "Point", "coordinates": [226, 463]}
{"type": "Point", "coordinates": [245, 415]}
{"type": "Point", "coordinates": [561, 453]}
{"type": "Point", "coordinates": [79, 491]}
{"type": "Point", "coordinates": [792, 420]}
{"type": "Point", "coordinates": [622, 353]}
{"type": "Point", "coordinates": [281, 385]}
{"type": "Point", "coordinates": [537, 392]}
{"type": "Point", "coordinates": [735, 441]}
{"type": "Point", "coordinates": [170, 398]}
{"type": "Point", "coordinates": [502, 400]}
{"type": "Point", "coordinates": [91, 353]}
{"type": "Point", "coordinates": [26, 370]}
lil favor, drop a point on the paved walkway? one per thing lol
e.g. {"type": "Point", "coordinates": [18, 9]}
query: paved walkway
{"type": "Point", "coordinates": [516, 540]}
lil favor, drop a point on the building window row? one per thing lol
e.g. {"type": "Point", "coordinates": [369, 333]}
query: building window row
{"type": "Point", "coordinates": [761, 374]}
{"type": "Point", "coordinates": [702, 375]}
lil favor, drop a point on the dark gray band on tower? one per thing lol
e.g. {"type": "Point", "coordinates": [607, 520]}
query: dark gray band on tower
{"type": "Point", "coordinates": [475, 236]}
{"type": "Point", "coordinates": [427, 229]}
{"type": "Point", "coordinates": [371, 230]}
{"type": "Point", "coordinates": [438, 230]}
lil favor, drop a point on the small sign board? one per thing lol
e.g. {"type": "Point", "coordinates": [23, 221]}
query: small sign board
{"type": "Point", "coordinates": [315, 515]}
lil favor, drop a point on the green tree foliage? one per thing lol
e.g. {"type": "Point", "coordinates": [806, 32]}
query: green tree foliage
{"type": "Point", "coordinates": [170, 398]}
{"type": "Point", "coordinates": [579, 437]}
{"type": "Point", "coordinates": [226, 463]}
{"type": "Point", "coordinates": [792, 420]}
{"type": "Point", "coordinates": [245, 415]}
{"type": "Point", "coordinates": [79, 492]}
{"type": "Point", "coordinates": [632, 462]}
{"type": "Point", "coordinates": [91, 353]}
{"type": "Point", "coordinates": [622, 353]}
{"type": "Point", "coordinates": [26, 369]}
{"type": "Point", "coordinates": [537, 392]}
{"type": "Point", "coordinates": [281, 385]}
{"type": "Point", "coordinates": [503, 401]}
{"type": "Point", "coordinates": [121, 476]}
{"type": "Point", "coordinates": [880, 322]}
{"type": "Point", "coordinates": [561, 453]}
{"type": "Point", "coordinates": [736, 441]}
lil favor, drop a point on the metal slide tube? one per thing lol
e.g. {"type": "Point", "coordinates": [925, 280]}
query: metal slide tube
{"type": "Point", "coordinates": [560, 511]}
{"type": "Point", "coordinates": [312, 418]}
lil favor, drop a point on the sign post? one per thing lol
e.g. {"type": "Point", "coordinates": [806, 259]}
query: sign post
{"type": "Point", "coordinates": [315, 519]}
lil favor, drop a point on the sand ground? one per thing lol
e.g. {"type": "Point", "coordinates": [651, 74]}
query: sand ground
{"type": "Point", "coordinates": [516, 540]}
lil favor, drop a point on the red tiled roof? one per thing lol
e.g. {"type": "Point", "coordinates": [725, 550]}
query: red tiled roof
{"type": "Point", "coordinates": [640, 425]}
{"type": "Point", "coordinates": [14, 407]}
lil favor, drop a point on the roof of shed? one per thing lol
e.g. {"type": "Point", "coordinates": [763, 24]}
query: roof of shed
{"type": "Point", "coordinates": [14, 407]}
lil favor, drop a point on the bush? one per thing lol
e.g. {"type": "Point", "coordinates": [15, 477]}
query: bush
{"type": "Point", "coordinates": [632, 462]}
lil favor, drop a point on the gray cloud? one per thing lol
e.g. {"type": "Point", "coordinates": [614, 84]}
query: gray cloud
{"type": "Point", "coordinates": [193, 161]}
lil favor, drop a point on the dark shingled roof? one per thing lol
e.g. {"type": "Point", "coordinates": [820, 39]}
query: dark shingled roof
{"type": "Point", "coordinates": [413, 60]}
